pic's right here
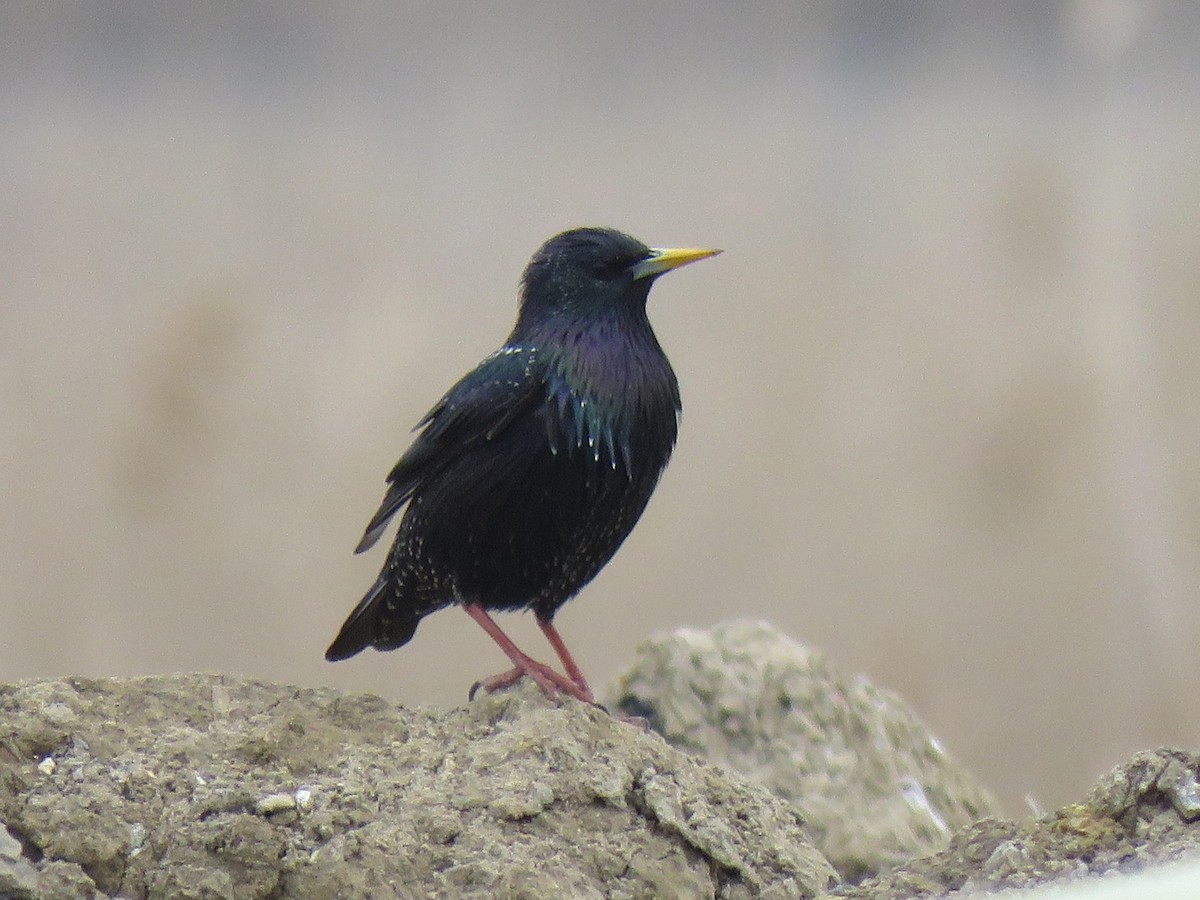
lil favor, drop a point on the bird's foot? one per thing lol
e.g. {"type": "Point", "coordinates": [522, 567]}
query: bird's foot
{"type": "Point", "coordinates": [552, 683]}
{"type": "Point", "coordinates": [499, 682]}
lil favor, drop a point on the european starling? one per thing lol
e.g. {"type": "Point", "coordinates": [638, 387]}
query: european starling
{"type": "Point", "coordinates": [530, 472]}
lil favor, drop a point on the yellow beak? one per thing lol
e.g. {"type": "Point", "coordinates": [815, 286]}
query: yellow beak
{"type": "Point", "coordinates": [665, 260]}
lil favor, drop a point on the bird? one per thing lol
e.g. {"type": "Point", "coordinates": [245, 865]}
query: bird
{"type": "Point", "coordinates": [529, 473]}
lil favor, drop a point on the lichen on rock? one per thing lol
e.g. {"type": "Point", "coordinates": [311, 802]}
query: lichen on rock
{"type": "Point", "coordinates": [216, 786]}
{"type": "Point", "coordinates": [871, 781]}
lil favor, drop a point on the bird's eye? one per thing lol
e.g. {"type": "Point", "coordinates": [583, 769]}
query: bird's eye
{"type": "Point", "coordinates": [614, 268]}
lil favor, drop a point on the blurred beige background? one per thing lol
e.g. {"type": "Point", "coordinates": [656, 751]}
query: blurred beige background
{"type": "Point", "coordinates": [940, 391]}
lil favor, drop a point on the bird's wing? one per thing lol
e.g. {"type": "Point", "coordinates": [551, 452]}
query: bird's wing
{"type": "Point", "coordinates": [476, 410]}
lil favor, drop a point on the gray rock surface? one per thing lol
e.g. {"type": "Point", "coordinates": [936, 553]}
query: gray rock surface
{"type": "Point", "coordinates": [1140, 815]}
{"type": "Point", "coordinates": [870, 780]}
{"type": "Point", "coordinates": [211, 786]}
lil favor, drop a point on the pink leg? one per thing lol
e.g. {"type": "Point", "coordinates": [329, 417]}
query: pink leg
{"type": "Point", "coordinates": [576, 673]}
{"type": "Point", "coordinates": [547, 679]}
{"type": "Point", "coordinates": [568, 662]}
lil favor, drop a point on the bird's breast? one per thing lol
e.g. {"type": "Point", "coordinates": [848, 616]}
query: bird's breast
{"type": "Point", "coordinates": [622, 416]}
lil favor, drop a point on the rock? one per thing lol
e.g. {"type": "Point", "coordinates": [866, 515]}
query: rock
{"type": "Point", "coordinates": [18, 879]}
{"type": "Point", "coordinates": [873, 784]}
{"type": "Point", "coordinates": [221, 787]}
{"type": "Point", "coordinates": [210, 786]}
{"type": "Point", "coordinates": [1138, 816]}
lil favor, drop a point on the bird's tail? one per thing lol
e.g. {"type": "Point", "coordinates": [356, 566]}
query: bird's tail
{"type": "Point", "coordinates": [376, 622]}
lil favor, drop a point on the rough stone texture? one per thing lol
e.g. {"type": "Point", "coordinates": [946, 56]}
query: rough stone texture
{"type": "Point", "coordinates": [199, 786]}
{"type": "Point", "coordinates": [210, 786]}
{"type": "Point", "coordinates": [1143, 813]}
{"type": "Point", "coordinates": [870, 780]}
{"type": "Point", "coordinates": [17, 877]}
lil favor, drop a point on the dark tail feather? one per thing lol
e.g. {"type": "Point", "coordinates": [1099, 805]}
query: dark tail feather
{"type": "Point", "coordinates": [376, 622]}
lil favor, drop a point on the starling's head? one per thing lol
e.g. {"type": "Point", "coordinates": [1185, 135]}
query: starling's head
{"type": "Point", "coordinates": [588, 271]}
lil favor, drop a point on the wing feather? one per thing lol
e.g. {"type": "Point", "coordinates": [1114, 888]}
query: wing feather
{"type": "Point", "coordinates": [476, 410]}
